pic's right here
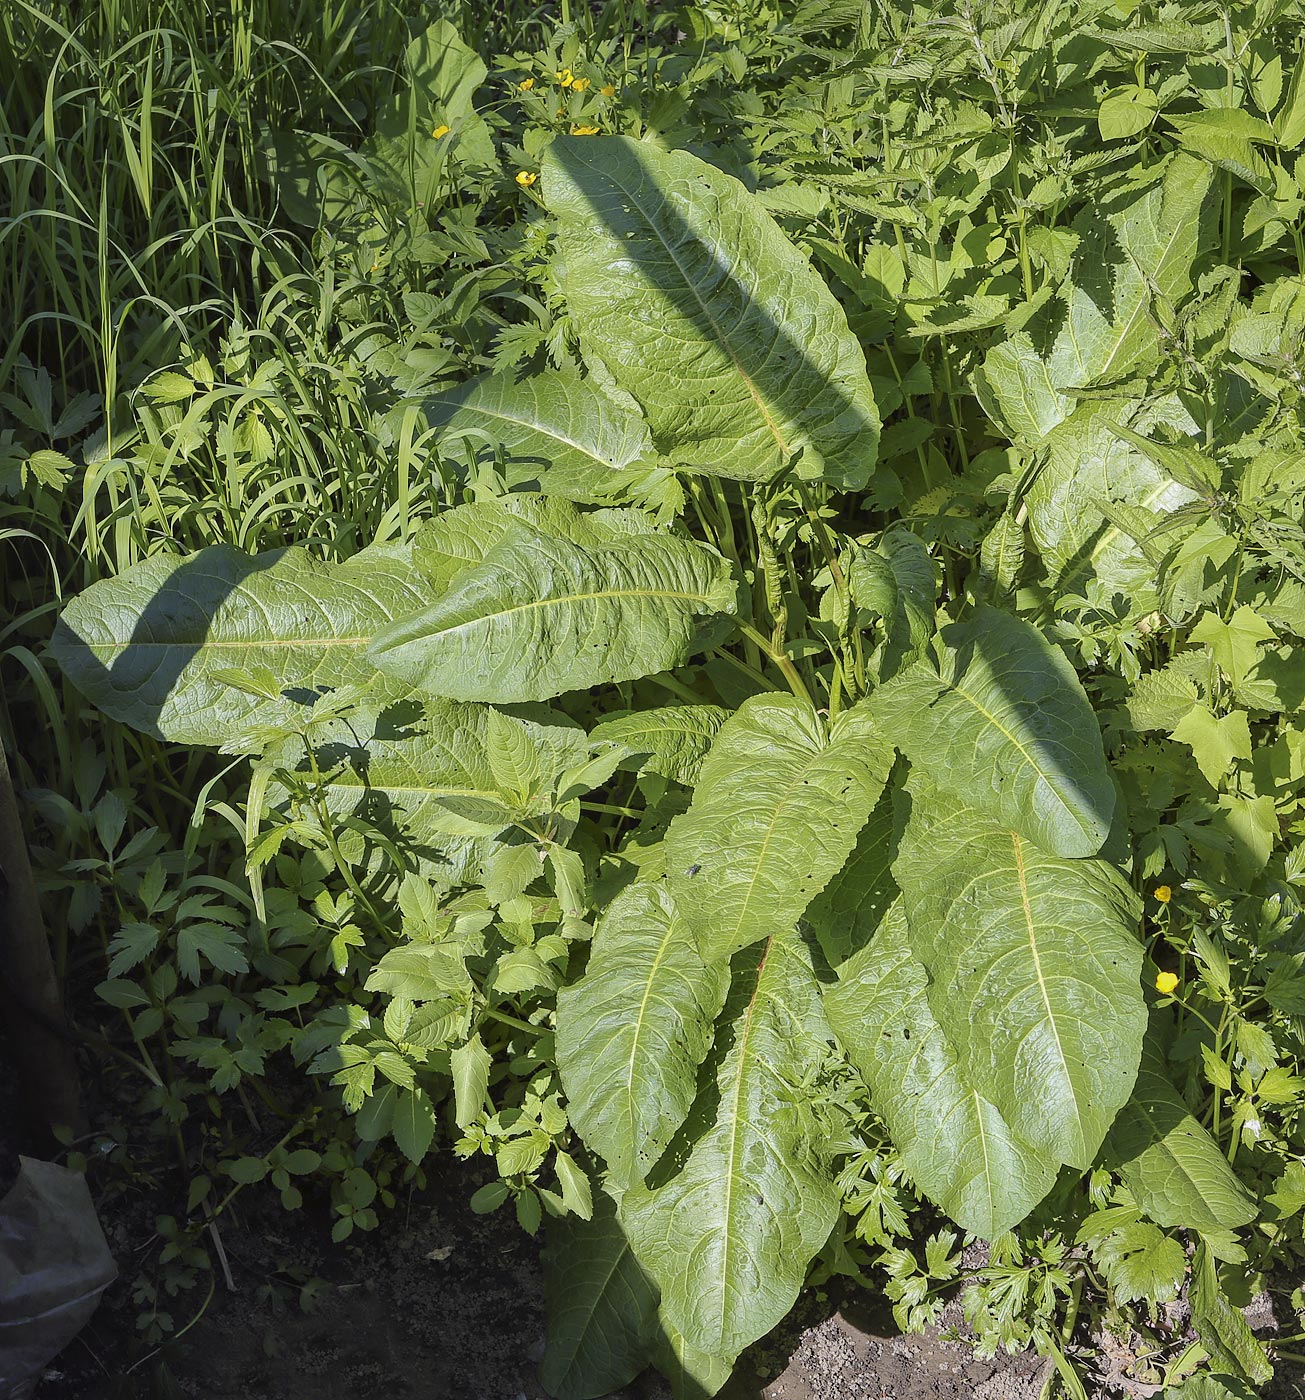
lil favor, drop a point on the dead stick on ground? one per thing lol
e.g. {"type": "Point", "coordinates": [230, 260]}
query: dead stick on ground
{"type": "Point", "coordinates": [29, 990]}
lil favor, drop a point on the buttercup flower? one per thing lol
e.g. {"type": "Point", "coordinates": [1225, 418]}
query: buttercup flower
{"type": "Point", "coordinates": [440, 131]}
{"type": "Point", "coordinates": [584, 131]}
{"type": "Point", "coordinates": [1166, 982]}
{"type": "Point", "coordinates": [579, 84]}
{"type": "Point", "coordinates": [564, 78]}
{"type": "Point", "coordinates": [526, 84]}
{"type": "Point", "coordinates": [607, 90]}
{"type": "Point", "coordinates": [526, 178]}
{"type": "Point", "coordinates": [1163, 893]}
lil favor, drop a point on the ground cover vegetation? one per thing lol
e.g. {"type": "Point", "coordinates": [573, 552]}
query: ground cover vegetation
{"type": "Point", "coordinates": [704, 604]}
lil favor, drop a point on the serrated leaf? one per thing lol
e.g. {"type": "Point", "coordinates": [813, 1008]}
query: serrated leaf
{"type": "Point", "coordinates": [145, 646]}
{"type": "Point", "coordinates": [1216, 741]}
{"type": "Point", "coordinates": [728, 1238]}
{"type": "Point", "coordinates": [1141, 1264]}
{"type": "Point", "coordinates": [539, 616]}
{"type": "Point", "coordinates": [413, 1126]}
{"type": "Point", "coordinates": [702, 309]}
{"type": "Point", "coordinates": [775, 814]}
{"type": "Point", "coordinates": [633, 1030]}
{"type": "Point", "coordinates": [1174, 1168]}
{"type": "Point", "coordinates": [1034, 970]}
{"type": "Point", "coordinates": [572, 433]}
{"type": "Point", "coordinates": [469, 1065]}
{"type": "Point", "coordinates": [671, 740]}
{"type": "Point", "coordinates": [955, 1144]}
{"type": "Point", "coordinates": [1002, 721]}
{"type": "Point", "coordinates": [602, 1307]}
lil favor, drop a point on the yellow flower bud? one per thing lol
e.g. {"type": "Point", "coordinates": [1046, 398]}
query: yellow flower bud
{"type": "Point", "coordinates": [440, 131]}
{"type": "Point", "coordinates": [1165, 983]}
{"type": "Point", "coordinates": [579, 84]}
{"type": "Point", "coordinates": [564, 78]}
{"type": "Point", "coordinates": [526, 84]}
{"type": "Point", "coordinates": [584, 131]}
{"type": "Point", "coordinates": [526, 178]}
{"type": "Point", "coordinates": [607, 90]}
{"type": "Point", "coordinates": [1163, 893]}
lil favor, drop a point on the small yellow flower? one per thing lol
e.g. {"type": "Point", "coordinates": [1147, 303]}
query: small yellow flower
{"type": "Point", "coordinates": [526, 84]}
{"type": "Point", "coordinates": [1163, 893]}
{"type": "Point", "coordinates": [526, 178]}
{"type": "Point", "coordinates": [579, 84]}
{"type": "Point", "coordinates": [607, 90]}
{"type": "Point", "coordinates": [440, 131]}
{"type": "Point", "coordinates": [584, 131]}
{"type": "Point", "coordinates": [1165, 983]}
{"type": "Point", "coordinates": [564, 78]}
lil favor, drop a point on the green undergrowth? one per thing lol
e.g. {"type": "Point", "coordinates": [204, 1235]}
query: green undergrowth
{"type": "Point", "coordinates": [701, 605]}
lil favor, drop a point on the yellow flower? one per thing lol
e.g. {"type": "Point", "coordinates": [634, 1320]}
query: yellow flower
{"type": "Point", "coordinates": [607, 90]}
{"type": "Point", "coordinates": [440, 131]}
{"type": "Point", "coordinates": [526, 178]}
{"type": "Point", "coordinates": [1163, 893]}
{"type": "Point", "coordinates": [526, 84]}
{"type": "Point", "coordinates": [564, 78]}
{"type": "Point", "coordinates": [579, 84]}
{"type": "Point", "coordinates": [584, 131]}
{"type": "Point", "coordinates": [1165, 983]}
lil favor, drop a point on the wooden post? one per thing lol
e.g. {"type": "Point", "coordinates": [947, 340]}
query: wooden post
{"type": "Point", "coordinates": [42, 1049]}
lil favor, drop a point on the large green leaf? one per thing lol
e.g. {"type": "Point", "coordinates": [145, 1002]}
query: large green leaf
{"type": "Point", "coordinates": [602, 1307]}
{"type": "Point", "coordinates": [540, 615]}
{"type": "Point", "coordinates": [455, 539]}
{"type": "Point", "coordinates": [702, 309]}
{"type": "Point", "coordinates": [149, 646]}
{"type": "Point", "coordinates": [775, 814]}
{"type": "Point", "coordinates": [693, 1374]}
{"type": "Point", "coordinates": [568, 430]}
{"type": "Point", "coordinates": [957, 1146]}
{"type": "Point", "coordinates": [1003, 723]}
{"type": "Point", "coordinates": [671, 740]}
{"type": "Point", "coordinates": [633, 1030]}
{"type": "Point", "coordinates": [1173, 1167]}
{"type": "Point", "coordinates": [729, 1236]}
{"type": "Point", "coordinates": [846, 913]}
{"type": "Point", "coordinates": [1034, 970]}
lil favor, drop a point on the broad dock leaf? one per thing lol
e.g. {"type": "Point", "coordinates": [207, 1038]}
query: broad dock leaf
{"type": "Point", "coordinates": [541, 615]}
{"type": "Point", "coordinates": [681, 283]}
{"type": "Point", "coordinates": [1034, 970]}
{"type": "Point", "coordinates": [602, 1307]}
{"type": "Point", "coordinates": [1002, 721]}
{"type": "Point", "coordinates": [571, 432]}
{"type": "Point", "coordinates": [148, 647]}
{"type": "Point", "coordinates": [728, 1238]}
{"type": "Point", "coordinates": [956, 1145]}
{"type": "Point", "coordinates": [633, 1030]}
{"type": "Point", "coordinates": [776, 812]}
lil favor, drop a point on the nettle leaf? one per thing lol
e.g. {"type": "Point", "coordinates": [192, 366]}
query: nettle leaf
{"type": "Point", "coordinates": [539, 616]}
{"type": "Point", "coordinates": [633, 1030]}
{"type": "Point", "coordinates": [150, 646]}
{"type": "Point", "coordinates": [1133, 264]}
{"type": "Point", "coordinates": [776, 812]}
{"type": "Point", "coordinates": [1034, 966]}
{"type": "Point", "coordinates": [956, 1145]}
{"type": "Point", "coordinates": [684, 286]}
{"type": "Point", "coordinates": [671, 740]}
{"type": "Point", "coordinates": [602, 1306]}
{"type": "Point", "coordinates": [414, 768]}
{"type": "Point", "coordinates": [1176, 1171]}
{"type": "Point", "coordinates": [729, 1237]}
{"type": "Point", "coordinates": [569, 431]}
{"type": "Point", "coordinates": [1002, 721]}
